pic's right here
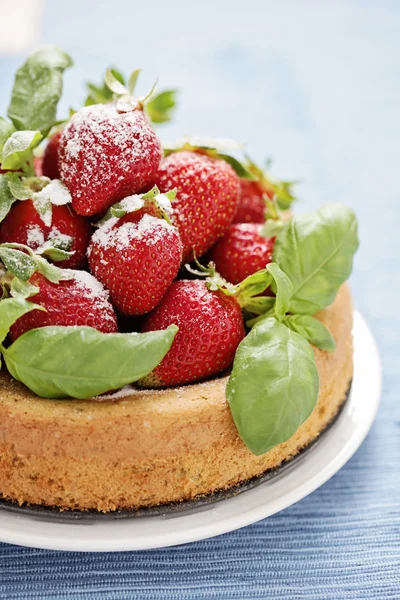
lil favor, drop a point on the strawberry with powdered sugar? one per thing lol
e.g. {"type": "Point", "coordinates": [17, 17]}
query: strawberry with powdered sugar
{"type": "Point", "coordinates": [78, 300]}
{"type": "Point", "coordinates": [108, 151]}
{"type": "Point", "coordinates": [137, 253]}
{"type": "Point", "coordinates": [24, 225]}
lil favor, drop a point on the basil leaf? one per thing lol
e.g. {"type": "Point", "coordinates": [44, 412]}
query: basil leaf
{"type": "Point", "coordinates": [160, 107]}
{"type": "Point", "coordinates": [316, 253]}
{"type": "Point", "coordinates": [312, 330]}
{"type": "Point", "coordinates": [18, 263]}
{"type": "Point", "coordinates": [6, 197]}
{"type": "Point", "coordinates": [37, 89]}
{"type": "Point", "coordinates": [17, 151]}
{"type": "Point", "coordinates": [282, 287]}
{"type": "Point", "coordinates": [12, 309]}
{"type": "Point", "coordinates": [81, 362]}
{"type": "Point", "coordinates": [6, 129]}
{"type": "Point", "coordinates": [273, 386]}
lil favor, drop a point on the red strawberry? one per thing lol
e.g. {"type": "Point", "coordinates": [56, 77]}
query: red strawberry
{"type": "Point", "coordinates": [105, 155]}
{"type": "Point", "coordinates": [136, 257]}
{"type": "Point", "coordinates": [210, 329]}
{"type": "Point", "coordinates": [23, 225]}
{"type": "Point", "coordinates": [252, 207]}
{"type": "Point", "coordinates": [38, 166]}
{"type": "Point", "coordinates": [78, 301]}
{"type": "Point", "coordinates": [50, 157]}
{"type": "Point", "coordinates": [242, 252]}
{"type": "Point", "coordinates": [208, 195]}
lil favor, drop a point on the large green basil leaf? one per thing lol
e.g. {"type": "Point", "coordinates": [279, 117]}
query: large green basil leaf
{"type": "Point", "coordinates": [37, 89]}
{"type": "Point", "coordinates": [316, 252]}
{"type": "Point", "coordinates": [81, 362]}
{"type": "Point", "coordinates": [273, 386]}
{"type": "Point", "coordinates": [312, 330]}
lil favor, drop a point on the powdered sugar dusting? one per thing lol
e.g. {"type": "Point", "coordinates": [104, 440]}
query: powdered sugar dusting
{"type": "Point", "coordinates": [149, 228]}
{"type": "Point", "coordinates": [35, 236]}
{"type": "Point", "coordinates": [55, 192]}
{"type": "Point", "coordinates": [89, 287]}
{"type": "Point", "coordinates": [93, 134]}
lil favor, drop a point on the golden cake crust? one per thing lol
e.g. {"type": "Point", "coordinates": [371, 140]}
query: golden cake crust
{"type": "Point", "coordinates": [149, 447]}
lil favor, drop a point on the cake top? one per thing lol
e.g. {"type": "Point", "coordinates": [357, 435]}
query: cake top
{"type": "Point", "coordinates": [126, 264]}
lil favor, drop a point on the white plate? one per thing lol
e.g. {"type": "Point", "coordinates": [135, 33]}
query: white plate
{"type": "Point", "coordinates": [333, 450]}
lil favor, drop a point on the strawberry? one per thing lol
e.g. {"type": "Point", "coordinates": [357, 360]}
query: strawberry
{"type": "Point", "coordinates": [38, 166]}
{"type": "Point", "coordinates": [23, 225]}
{"type": "Point", "coordinates": [207, 197]}
{"type": "Point", "coordinates": [81, 300]}
{"type": "Point", "coordinates": [50, 157]}
{"type": "Point", "coordinates": [262, 198]}
{"type": "Point", "coordinates": [136, 256]}
{"type": "Point", "coordinates": [210, 329]}
{"type": "Point", "coordinates": [242, 251]}
{"type": "Point", "coordinates": [107, 152]}
{"type": "Point", "coordinates": [252, 205]}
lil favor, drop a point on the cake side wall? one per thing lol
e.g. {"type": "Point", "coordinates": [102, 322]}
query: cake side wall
{"type": "Point", "coordinates": [150, 448]}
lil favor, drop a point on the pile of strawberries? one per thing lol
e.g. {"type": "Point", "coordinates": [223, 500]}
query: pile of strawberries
{"type": "Point", "coordinates": [154, 213]}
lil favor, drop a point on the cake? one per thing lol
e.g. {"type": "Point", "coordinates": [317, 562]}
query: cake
{"type": "Point", "coordinates": [144, 382]}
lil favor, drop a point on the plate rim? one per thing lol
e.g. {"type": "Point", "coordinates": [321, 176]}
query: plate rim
{"type": "Point", "coordinates": [221, 524]}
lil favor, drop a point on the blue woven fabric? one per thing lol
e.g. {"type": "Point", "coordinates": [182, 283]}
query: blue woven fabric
{"type": "Point", "coordinates": [316, 85]}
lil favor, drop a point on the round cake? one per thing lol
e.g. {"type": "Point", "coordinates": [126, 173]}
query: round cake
{"type": "Point", "coordinates": [150, 447]}
{"type": "Point", "coordinates": [169, 329]}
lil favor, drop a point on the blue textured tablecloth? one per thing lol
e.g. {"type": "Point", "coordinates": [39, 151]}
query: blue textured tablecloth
{"type": "Point", "coordinates": [317, 86]}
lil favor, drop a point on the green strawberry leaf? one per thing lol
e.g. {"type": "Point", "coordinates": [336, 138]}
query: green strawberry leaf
{"type": "Point", "coordinates": [114, 85]}
{"type": "Point", "coordinates": [239, 168]}
{"type": "Point", "coordinates": [18, 263]}
{"type": "Point", "coordinates": [6, 130]}
{"type": "Point", "coordinates": [81, 362]}
{"type": "Point", "coordinates": [37, 89]}
{"type": "Point", "coordinates": [57, 248]}
{"type": "Point", "coordinates": [6, 197]}
{"type": "Point", "coordinates": [282, 287]}
{"type": "Point", "coordinates": [23, 289]}
{"type": "Point", "coordinates": [259, 306]}
{"type": "Point", "coordinates": [51, 272]}
{"type": "Point", "coordinates": [312, 330]}
{"type": "Point", "coordinates": [101, 94]}
{"type": "Point", "coordinates": [18, 187]}
{"type": "Point", "coordinates": [316, 252]}
{"type": "Point", "coordinates": [160, 107]}
{"type": "Point", "coordinates": [17, 151]}
{"type": "Point", "coordinates": [133, 78]}
{"type": "Point", "coordinates": [253, 285]}
{"type": "Point", "coordinates": [273, 386]}
{"type": "Point", "coordinates": [12, 309]}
